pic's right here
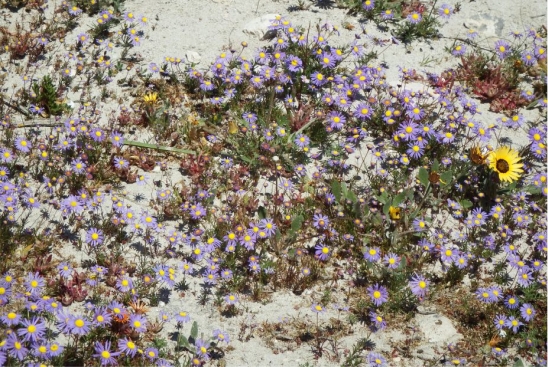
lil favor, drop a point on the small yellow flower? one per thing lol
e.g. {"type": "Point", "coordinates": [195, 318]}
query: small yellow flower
{"type": "Point", "coordinates": [395, 213]}
{"type": "Point", "coordinates": [150, 98]}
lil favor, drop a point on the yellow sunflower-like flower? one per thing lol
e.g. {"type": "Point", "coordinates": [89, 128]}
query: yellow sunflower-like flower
{"type": "Point", "coordinates": [150, 98]}
{"type": "Point", "coordinates": [505, 162]}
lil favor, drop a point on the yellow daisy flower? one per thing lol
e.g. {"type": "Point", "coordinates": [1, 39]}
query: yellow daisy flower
{"type": "Point", "coordinates": [505, 161]}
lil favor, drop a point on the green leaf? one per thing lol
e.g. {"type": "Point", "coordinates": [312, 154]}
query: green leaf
{"type": "Point", "coordinates": [262, 212]}
{"type": "Point", "coordinates": [246, 159]}
{"type": "Point", "coordinates": [383, 198]}
{"type": "Point", "coordinates": [532, 189]}
{"type": "Point", "coordinates": [446, 178]}
{"type": "Point", "coordinates": [436, 165]}
{"type": "Point", "coordinates": [399, 198]}
{"type": "Point", "coordinates": [352, 197]}
{"type": "Point", "coordinates": [194, 330]}
{"type": "Point", "coordinates": [423, 176]}
{"type": "Point", "coordinates": [183, 342]}
{"type": "Point", "coordinates": [344, 189]}
{"type": "Point", "coordinates": [518, 363]}
{"type": "Point", "coordinates": [158, 147]}
{"type": "Point", "coordinates": [357, 207]}
{"type": "Point", "coordinates": [386, 209]}
{"type": "Point", "coordinates": [296, 223]}
{"type": "Point", "coordinates": [466, 203]}
{"type": "Point", "coordinates": [336, 189]}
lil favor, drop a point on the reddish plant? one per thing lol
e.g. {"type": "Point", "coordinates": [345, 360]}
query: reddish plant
{"type": "Point", "coordinates": [73, 289]}
{"type": "Point", "coordinates": [490, 83]}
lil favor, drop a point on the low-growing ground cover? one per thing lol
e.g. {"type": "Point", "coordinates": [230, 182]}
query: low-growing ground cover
{"type": "Point", "coordinates": [302, 169]}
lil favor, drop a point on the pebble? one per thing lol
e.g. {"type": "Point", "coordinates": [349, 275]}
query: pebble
{"type": "Point", "coordinates": [259, 26]}
{"type": "Point", "coordinates": [193, 57]}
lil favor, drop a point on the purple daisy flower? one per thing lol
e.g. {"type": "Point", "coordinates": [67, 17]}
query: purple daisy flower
{"type": "Point", "coordinates": [198, 211]}
{"type": "Point", "coordinates": [372, 254]}
{"type": "Point", "coordinates": [459, 50]}
{"type": "Point", "coordinates": [320, 221]}
{"type": "Point", "coordinates": [376, 360]}
{"type": "Point", "coordinates": [74, 10]}
{"type": "Point", "coordinates": [83, 38]}
{"type": "Point", "coordinates": [368, 5]}
{"type": "Point", "coordinates": [378, 294]}
{"type": "Point", "coordinates": [318, 79]}
{"type": "Point", "coordinates": [419, 285]}
{"type": "Point", "coordinates": [409, 131]}
{"type": "Point", "coordinates": [16, 347]}
{"type": "Point", "coordinates": [414, 18]}
{"type": "Point", "coordinates": [415, 151]}
{"type": "Point", "coordinates": [138, 322]}
{"type": "Point", "coordinates": [302, 140]}
{"type": "Point", "coordinates": [5, 292]}
{"type": "Point", "coordinates": [327, 61]}
{"type": "Point", "coordinates": [500, 322]}
{"type": "Point", "coordinates": [128, 347]}
{"type": "Point", "coordinates": [527, 312]}
{"type": "Point", "coordinates": [33, 330]}
{"type": "Point", "coordinates": [78, 166]}
{"type": "Point", "coordinates": [363, 111]}
{"type": "Point", "coordinates": [445, 11]}
{"type": "Point", "coordinates": [34, 283]}
{"type": "Point", "coordinates": [221, 336]}
{"type": "Point", "coordinates": [317, 308]}
{"type": "Point", "coordinates": [102, 317]}
{"type": "Point", "coordinates": [104, 354]}
{"type": "Point", "coordinates": [78, 325]}
{"type": "Point", "coordinates": [528, 58]}
{"type": "Point", "coordinates": [484, 295]}
{"type": "Point", "coordinates": [231, 299]}
{"type": "Point", "coordinates": [94, 237]}
{"type": "Point", "coordinates": [65, 270]}
{"type": "Point", "coordinates": [151, 353]}
{"type": "Point", "coordinates": [513, 324]}
{"type": "Point", "coordinates": [182, 317]}
{"type": "Point", "coordinates": [377, 321]}
{"type": "Point", "coordinates": [415, 113]}
{"type": "Point", "coordinates": [540, 52]}
{"type": "Point", "coordinates": [268, 226]}
{"type": "Point", "coordinates": [22, 144]}
{"type": "Point", "coordinates": [525, 277]}
{"type": "Point", "coordinates": [124, 284]}
{"type": "Point", "coordinates": [121, 163]}
{"type": "Point", "coordinates": [502, 48]}
{"type": "Point", "coordinates": [202, 348]}
{"type": "Point", "coordinates": [11, 318]}
{"type": "Point", "coordinates": [336, 120]}
{"type": "Point", "coordinates": [391, 260]}
{"type": "Point", "coordinates": [322, 251]}
{"type": "Point", "coordinates": [387, 14]}
{"type": "Point", "coordinates": [294, 64]}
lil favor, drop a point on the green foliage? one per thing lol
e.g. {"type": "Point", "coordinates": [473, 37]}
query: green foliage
{"type": "Point", "coordinates": [47, 95]}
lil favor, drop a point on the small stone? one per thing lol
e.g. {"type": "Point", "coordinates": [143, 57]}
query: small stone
{"type": "Point", "coordinates": [193, 57]}
{"type": "Point", "coordinates": [259, 26]}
